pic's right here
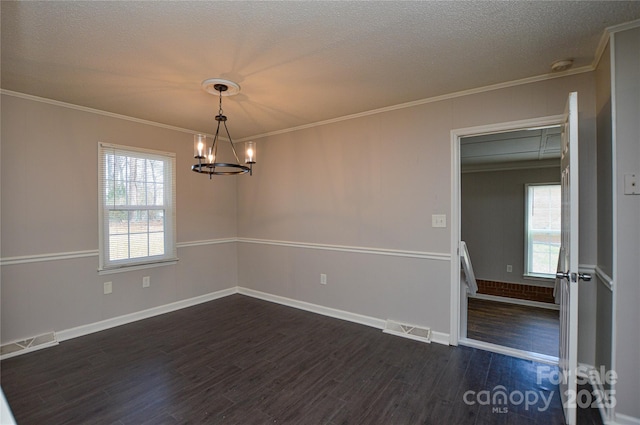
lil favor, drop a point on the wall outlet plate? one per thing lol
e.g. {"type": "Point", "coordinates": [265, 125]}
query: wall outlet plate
{"type": "Point", "coordinates": [108, 288]}
{"type": "Point", "coordinates": [146, 281]}
{"type": "Point", "coordinates": [438, 220]}
{"type": "Point", "coordinates": [631, 186]}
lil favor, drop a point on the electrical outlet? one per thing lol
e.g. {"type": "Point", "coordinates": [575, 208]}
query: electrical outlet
{"type": "Point", "coordinates": [108, 288]}
{"type": "Point", "coordinates": [323, 279]}
{"type": "Point", "coordinates": [509, 268]}
{"type": "Point", "coordinates": [146, 281]}
{"type": "Point", "coordinates": [439, 220]}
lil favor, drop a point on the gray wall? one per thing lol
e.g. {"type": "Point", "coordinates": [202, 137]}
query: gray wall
{"type": "Point", "coordinates": [371, 182]}
{"type": "Point", "coordinates": [493, 217]}
{"type": "Point", "coordinates": [375, 181]}
{"type": "Point", "coordinates": [626, 267]}
{"type": "Point", "coordinates": [50, 206]}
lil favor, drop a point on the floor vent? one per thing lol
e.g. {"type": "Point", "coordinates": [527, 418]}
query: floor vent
{"type": "Point", "coordinates": [31, 344]}
{"type": "Point", "coordinates": [407, 331]}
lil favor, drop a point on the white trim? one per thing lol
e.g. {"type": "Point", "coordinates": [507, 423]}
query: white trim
{"type": "Point", "coordinates": [456, 135]}
{"type": "Point", "coordinates": [517, 301]}
{"type": "Point", "coordinates": [523, 81]}
{"type": "Point", "coordinates": [353, 249]}
{"type": "Point", "coordinates": [28, 350]}
{"type": "Point", "coordinates": [614, 209]}
{"type": "Point", "coordinates": [438, 337]}
{"type": "Point", "coordinates": [596, 271]}
{"type": "Point", "coordinates": [206, 242]}
{"type": "Point", "coordinates": [140, 315]}
{"type": "Point", "coordinates": [93, 111]}
{"type": "Point", "coordinates": [602, 46]}
{"type": "Point", "coordinates": [129, 268]}
{"type": "Point", "coordinates": [492, 87]}
{"type": "Point", "coordinates": [67, 334]}
{"type": "Point", "coordinates": [37, 258]}
{"type": "Point", "coordinates": [604, 278]}
{"type": "Point", "coordinates": [623, 27]}
{"type": "Point", "coordinates": [315, 308]}
{"type": "Point", "coordinates": [508, 351]}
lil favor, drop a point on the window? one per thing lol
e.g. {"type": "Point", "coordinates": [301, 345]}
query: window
{"type": "Point", "coordinates": [542, 238]}
{"type": "Point", "coordinates": [137, 206]}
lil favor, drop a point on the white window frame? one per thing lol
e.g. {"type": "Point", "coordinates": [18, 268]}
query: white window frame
{"type": "Point", "coordinates": [527, 252]}
{"type": "Point", "coordinates": [106, 265]}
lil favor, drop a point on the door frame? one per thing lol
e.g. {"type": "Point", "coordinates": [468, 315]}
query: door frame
{"type": "Point", "coordinates": [457, 329]}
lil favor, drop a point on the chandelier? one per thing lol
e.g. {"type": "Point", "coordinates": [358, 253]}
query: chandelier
{"type": "Point", "coordinates": [206, 154]}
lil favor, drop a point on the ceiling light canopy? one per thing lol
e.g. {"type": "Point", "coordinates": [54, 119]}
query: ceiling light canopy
{"type": "Point", "coordinates": [207, 154]}
{"type": "Point", "coordinates": [561, 65]}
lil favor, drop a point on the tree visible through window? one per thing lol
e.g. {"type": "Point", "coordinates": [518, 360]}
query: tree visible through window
{"type": "Point", "coordinates": [542, 238]}
{"type": "Point", "coordinates": [137, 206]}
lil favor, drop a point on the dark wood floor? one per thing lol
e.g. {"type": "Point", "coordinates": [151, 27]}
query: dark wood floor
{"type": "Point", "coordinates": [240, 360]}
{"type": "Point", "coordinates": [516, 326]}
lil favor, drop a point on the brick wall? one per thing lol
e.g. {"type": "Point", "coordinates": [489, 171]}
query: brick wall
{"type": "Point", "coordinates": [516, 290]}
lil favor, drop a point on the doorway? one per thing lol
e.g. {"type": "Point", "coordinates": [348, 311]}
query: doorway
{"type": "Point", "coordinates": [513, 311]}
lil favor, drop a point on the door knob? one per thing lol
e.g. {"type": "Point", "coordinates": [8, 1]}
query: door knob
{"type": "Point", "coordinates": [584, 277]}
{"type": "Point", "coordinates": [563, 275]}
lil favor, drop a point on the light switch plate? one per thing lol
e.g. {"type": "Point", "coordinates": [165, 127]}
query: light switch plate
{"type": "Point", "coordinates": [439, 220]}
{"type": "Point", "coordinates": [108, 288]}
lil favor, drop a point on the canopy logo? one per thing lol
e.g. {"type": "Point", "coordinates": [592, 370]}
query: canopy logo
{"type": "Point", "coordinates": [499, 398]}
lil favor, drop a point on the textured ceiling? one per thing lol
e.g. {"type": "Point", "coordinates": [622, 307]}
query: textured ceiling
{"type": "Point", "coordinates": [297, 62]}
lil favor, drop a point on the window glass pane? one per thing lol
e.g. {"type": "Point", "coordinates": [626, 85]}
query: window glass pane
{"type": "Point", "coordinates": [156, 221]}
{"type": "Point", "coordinates": [543, 228]}
{"type": "Point", "coordinates": [139, 245]}
{"type": "Point", "coordinates": [108, 167]}
{"type": "Point", "coordinates": [156, 243]}
{"type": "Point", "coordinates": [137, 169]}
{"type": "Point", "coordinates": [137, 194]}
{"type": "Point", "coordinates": [138, 221]}
{"type": "Point", "coordinates": [118, 247]}
{"type": "Point", "coordinates": [118, 222]}
{"type": "Point", "coordinates": [155, 171]}
{"type": "Point", "coordinates": [155, 193]}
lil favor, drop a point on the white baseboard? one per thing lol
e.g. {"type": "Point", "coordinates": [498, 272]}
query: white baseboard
{"type": "Point", "coordinates": [438, 337]}
{"type": "Point", "coordinates": [64, 335]}
{"type": "Point", "coordinates": [516, 301]}
{"type": "Point", "coordinates": [139, 315]}
{"type": "Point", "coordinates": [315, 308]}
{"type": "Point", "coordinates": [508, 351]}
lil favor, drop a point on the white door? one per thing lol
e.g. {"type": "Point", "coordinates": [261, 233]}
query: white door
{"type": "Point", "coordinates": [568, 275]}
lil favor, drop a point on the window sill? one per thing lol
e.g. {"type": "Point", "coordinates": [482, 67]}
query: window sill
{"type": "Point", "coordinates": [123, 269]}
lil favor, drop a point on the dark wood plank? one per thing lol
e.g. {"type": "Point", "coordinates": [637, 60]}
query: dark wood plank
{"type": "Point", "coordinates": [517, 326]}
{"type": "Point", "coordinates": [239, 360]}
